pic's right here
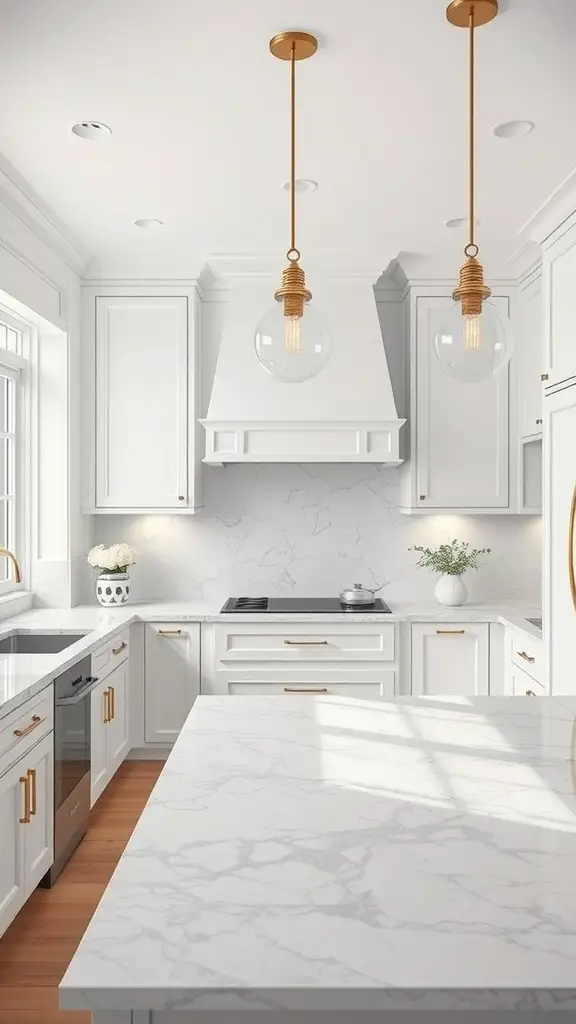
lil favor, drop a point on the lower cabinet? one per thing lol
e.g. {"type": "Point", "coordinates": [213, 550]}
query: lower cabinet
{"type": "Point", "coordinates": [372, 689]}
{"type": "Point", "coordinates": [172, 678]}
{"type": "Point", "coordinates": [450, 658]}
{"type": "Point", "coordinates": [109, 738]}
{"type": "Point", "coordinates": [26, 827]}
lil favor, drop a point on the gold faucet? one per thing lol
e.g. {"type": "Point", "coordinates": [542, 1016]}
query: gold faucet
{"type": "Point", "coordinates": [15, 563]}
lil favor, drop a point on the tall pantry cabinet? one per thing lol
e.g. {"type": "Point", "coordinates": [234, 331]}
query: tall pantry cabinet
{"type": "Point", "coordinates": [141, 418]}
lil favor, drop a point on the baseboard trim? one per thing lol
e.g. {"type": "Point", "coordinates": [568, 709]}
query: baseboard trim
{"type": "Point", "coordinates": [151, 753]}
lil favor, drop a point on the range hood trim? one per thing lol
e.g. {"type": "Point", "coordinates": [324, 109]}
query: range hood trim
{"type": "Point", "coordinates": [258, 441]}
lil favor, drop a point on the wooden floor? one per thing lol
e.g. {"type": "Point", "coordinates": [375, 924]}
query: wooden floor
{"type": "Point", "coordinates": [37, 948]}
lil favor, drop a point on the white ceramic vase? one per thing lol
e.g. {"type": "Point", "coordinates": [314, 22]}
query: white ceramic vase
{"type": "Point", "coordinates": [113, 588]}
{"type": "Point", "coordinates": [450, 590]}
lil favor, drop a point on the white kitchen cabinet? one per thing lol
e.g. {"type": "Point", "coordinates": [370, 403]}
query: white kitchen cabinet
{"type": "Point", "coordinates": [559, 296]}
{"type": "Point", "coordinates": [109, 734]}
{"type": "Point", "coordinates": [559, 587]}
{"type": "Point", "coordinates": [26, 827]}
{"type": "Point", "coordinates": [520, 684]}
{"type": "Point", "coordinates": [529, 356]}
{"type": "Point", "coordinates": [172, 678]}
{"type": "Point", "coordinates": [450, 658]}
{"type": "Point", "coordinates": [141, 425]}
{"type": "Point", "coordinates": [459, 459]}
{"type": "Point", "coordinates": [373, 686]}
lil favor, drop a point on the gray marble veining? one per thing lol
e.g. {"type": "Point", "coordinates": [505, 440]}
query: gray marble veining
{"type": "Point", "coordinates": [324, 853]}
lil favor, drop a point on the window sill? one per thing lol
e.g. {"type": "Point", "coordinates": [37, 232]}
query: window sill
{"type": "Point", "coordinates": [14, 603]}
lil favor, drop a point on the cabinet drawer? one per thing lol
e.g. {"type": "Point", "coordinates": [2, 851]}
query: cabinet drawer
{"type": "Point", "coordinates": [527, 653]}
{"type": "Point", "coordinates": [106, 658]}
{"type": "Point", "coordinates": [305, 642]}
{"type": "Point", "coordinates": [20, 730]}
{"type": "Point", "coordinates": [365, 690]}
{"type": "Point", "coordinates": [523, 685]}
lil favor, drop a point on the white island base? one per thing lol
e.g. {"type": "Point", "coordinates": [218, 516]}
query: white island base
{"type": "Point", "coordinates": [331, 857]}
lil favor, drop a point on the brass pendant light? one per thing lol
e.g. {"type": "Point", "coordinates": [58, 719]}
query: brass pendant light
{"type": "Point", "coordinates": [291, 341]}
{"type": "Point", "coordinates": [476, 342]}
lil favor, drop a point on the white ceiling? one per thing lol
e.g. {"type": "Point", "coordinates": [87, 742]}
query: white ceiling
{"type": "Point", "coordinates": [198, 109]}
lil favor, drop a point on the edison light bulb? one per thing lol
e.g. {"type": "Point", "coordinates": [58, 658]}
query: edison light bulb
{"type": "Point", "coordinates": [473, 348]}
{"type": "Point", "coordinates": [292, 348]}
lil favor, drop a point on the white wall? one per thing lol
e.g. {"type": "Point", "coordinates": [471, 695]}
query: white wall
{"type": "Point", "coordinates": [270, 530]}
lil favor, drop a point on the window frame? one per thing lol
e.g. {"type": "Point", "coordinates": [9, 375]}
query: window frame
{"type": "Point", "coordinates": [17, 368]}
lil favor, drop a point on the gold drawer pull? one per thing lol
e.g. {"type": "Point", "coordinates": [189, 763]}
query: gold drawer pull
{"type": "Point", "coordinates": [295, 689]}
{"type": "Point", "coordinates": [31, 773]}
{"type": "Point", "coordinates": [112, 693]}
{"type": "Point", "coordinates": [450, 632]}
{"type": "Point", "coordinates": [530, 693]}
{"type": "Point", "coordinates": [26, 819]}
{"type": "Point", "coordinates": [118, 650]}
{"type": "Point", "coordinates": [306, 643]}
{"type": "Point", "coordinates": [36, 721]}
{"type": "Point", "coordinates": [170, 632]}
{"type": "Point", "coordinates": [527, 657]}
{"type": "Point", "coordinates": [106, 711]}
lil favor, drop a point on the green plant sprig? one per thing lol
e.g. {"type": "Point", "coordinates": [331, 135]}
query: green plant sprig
{"type": "Point", "coordinates": [450, 559]}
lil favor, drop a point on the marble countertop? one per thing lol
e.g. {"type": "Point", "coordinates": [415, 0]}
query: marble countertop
{"type": "Point", "coordinates": [324, 853]}
{"type": "Point", "coordinates": [22, 676]}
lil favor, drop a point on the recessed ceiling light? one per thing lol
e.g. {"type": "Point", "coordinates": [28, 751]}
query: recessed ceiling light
{"type": "Point", "coordinates": [91, 130]}
{"type": "Point", "coordinates": [458, 222]}
{"type": "Point", "coordinates": [512, 129]}
{"type": "Point", "coordinates": [149, 222]}
{"type": "Point", "coordinates": [301, 185]}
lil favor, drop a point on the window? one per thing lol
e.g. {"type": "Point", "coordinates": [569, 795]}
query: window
{"type": "Point", "coordinates": [13, 443]}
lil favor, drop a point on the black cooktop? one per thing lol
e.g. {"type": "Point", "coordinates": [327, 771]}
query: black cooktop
{"type": "Point", "coordinates": [301, 605]}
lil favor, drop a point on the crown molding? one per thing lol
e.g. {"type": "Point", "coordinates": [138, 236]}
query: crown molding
{"type": "Point", "coordinates": [345, 264]}
{"type": "Point", "coordinates": [559, 205]}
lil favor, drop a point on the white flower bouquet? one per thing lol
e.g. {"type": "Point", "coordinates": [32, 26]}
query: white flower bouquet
{"type": "Point", "coordinates": [114, 559]}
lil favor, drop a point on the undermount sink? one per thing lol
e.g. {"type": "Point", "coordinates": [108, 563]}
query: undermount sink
{"type": "Point", "coordinates": [19, 642]}
{"type": "Point", "coordinates": [535, 622]}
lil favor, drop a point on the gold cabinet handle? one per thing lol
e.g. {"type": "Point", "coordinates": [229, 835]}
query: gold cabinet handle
{"type": "Point", "coordinates": [118, 650]}
{"type": "Point", "coordinates": [106, 711]}
{"type": "Point", "coordinates": [112, 693]}
{"type": "Point", "coordinates": [24, 779]}
{"type": "Point", "coordinates": [571, 574]}
{"type": "Point", "coordinates": [296, 689]}
{"type": "Point", "coordinates": [527, 657]}
{"type": "Point", "coordinates": [450, 632]}
{"type": "Point", "coordinates": [170, 632]}
{"type": "Point", "coordinates": [530, 693]}
{"type": "Point", "coordinates": [36, 721]}
{"type": "Point", "coordinates": [31, 773]}
{"type": "Point", "coordinates": [306, 643]}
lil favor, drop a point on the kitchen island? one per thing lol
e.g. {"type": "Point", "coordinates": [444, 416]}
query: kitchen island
{"type": "Point", "coordinates": [307, 853]}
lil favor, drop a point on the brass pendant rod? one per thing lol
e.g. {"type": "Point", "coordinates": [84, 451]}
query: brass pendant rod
{"type": "Point", "coordinates": [293, 148]}
{"type": "Point", "coordinates": [471, 128]}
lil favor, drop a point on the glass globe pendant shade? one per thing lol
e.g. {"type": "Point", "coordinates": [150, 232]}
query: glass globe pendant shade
{"type": "Point", "coordinates": [473, 348]}
{"type": "Point", "coordinates": [292, 348]}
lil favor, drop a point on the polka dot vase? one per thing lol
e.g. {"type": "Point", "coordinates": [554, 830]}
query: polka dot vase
{"type": "Point", "coordinates": [113, 588]}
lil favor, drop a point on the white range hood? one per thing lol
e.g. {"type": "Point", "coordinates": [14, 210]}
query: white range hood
{"type": "Point", "coordinates": [346, 413]}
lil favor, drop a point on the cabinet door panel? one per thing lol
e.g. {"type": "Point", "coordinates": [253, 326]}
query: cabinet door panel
{"type": "Point", "coordinates": [12, 846]}
{"type": "Point", "coordinates": [559, 267]}
{"type": "Point", "coordinates": [450, 658]}
{"type": "Point", "coordinates": [40, 830]}
{"type": "Point", "coordinates": [559, 540]}
{"type": "Point", "coordinates": [529, 353]}
{"type": "Point", "coordinates": [141, 402]}
{"type": "Point", "coordinates": [462, 427]}
{"type": "Point", "coordinates": [117, 730]}
{"type": "Point", "coordinates": [98, 741]}
{"type": "Point", "coordinates": [373, 690]}
{"type": "Point", "coordinates": [172, 678]}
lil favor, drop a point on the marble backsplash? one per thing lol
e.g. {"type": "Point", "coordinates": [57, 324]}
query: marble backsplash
{"type": "Point", "coordinates": [310, 530]}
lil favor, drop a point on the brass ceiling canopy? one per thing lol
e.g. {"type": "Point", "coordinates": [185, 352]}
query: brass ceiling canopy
{"type": "Point", "coordinates": [293, 292]}
{"type": "Point", "coordinates": [301, 43]}
{"type": "Point", "coordinates": [458, 12]}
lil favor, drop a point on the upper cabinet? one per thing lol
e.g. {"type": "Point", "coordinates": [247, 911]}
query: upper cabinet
{"type": "Point", "coordinates": [559, 275]}
{"type": "Point", "coordinates": [141, 360]}
{"type": "Point", "coordinates": [459, 431]}
{"type": "Point", "coordinates": [529, 356]}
